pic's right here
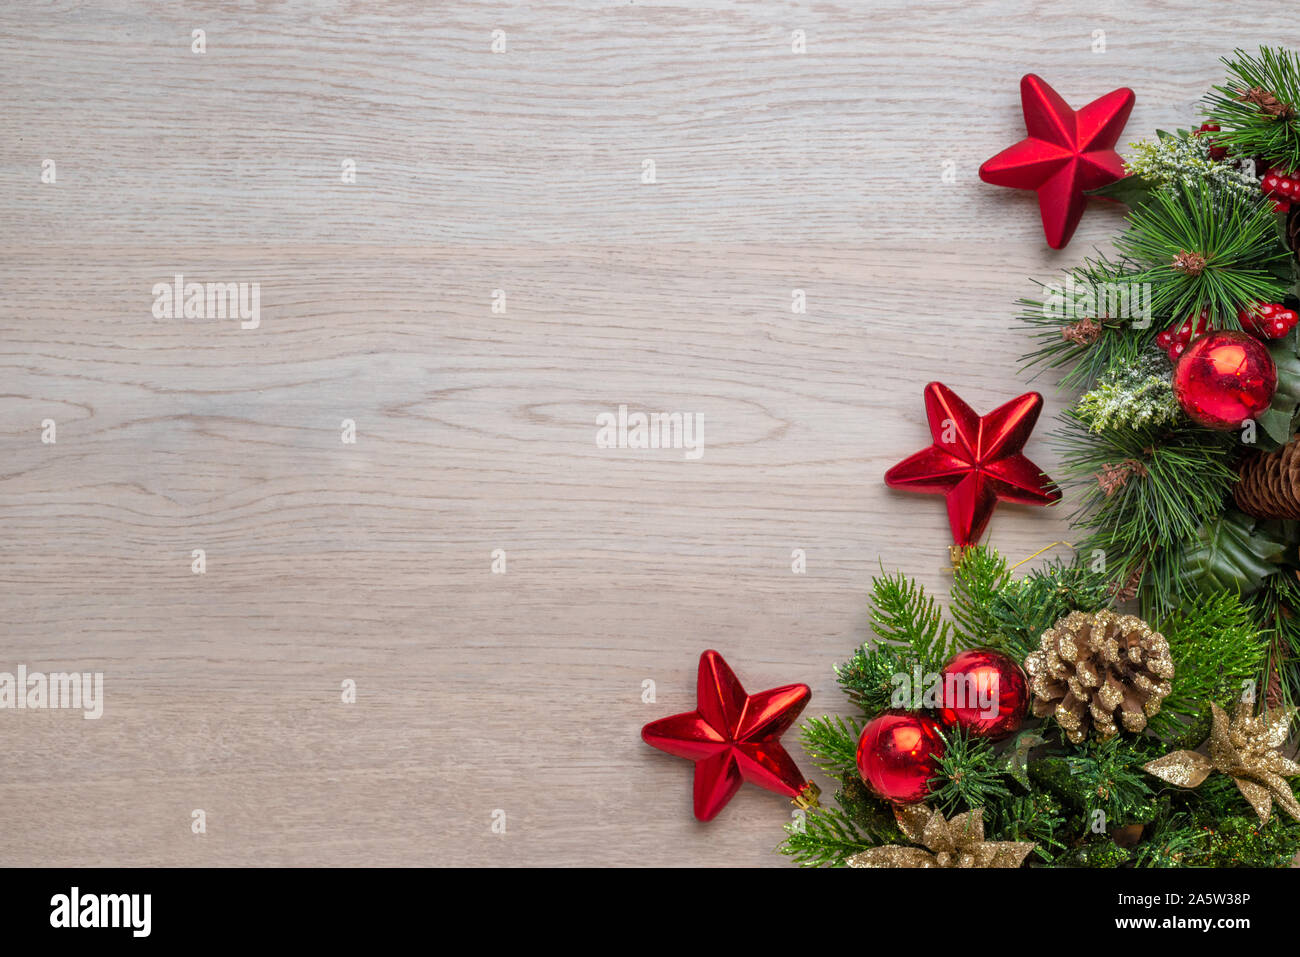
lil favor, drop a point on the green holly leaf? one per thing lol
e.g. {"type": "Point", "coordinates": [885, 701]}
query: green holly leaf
{"type": "Point", "coordinates": [1016, 760]}
{"type": "Point", "coordinates": [1276, 420]}
{"type": "Point", "coordinates": [1231, 552]}
{"type": "Point", "coordinates": [1129, 190]}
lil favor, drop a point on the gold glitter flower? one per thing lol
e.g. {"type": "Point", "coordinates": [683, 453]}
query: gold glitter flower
{"type": "Point", "coordinates": [1246, 748]}
{"type": "Point", "coordinates": [956, 843]}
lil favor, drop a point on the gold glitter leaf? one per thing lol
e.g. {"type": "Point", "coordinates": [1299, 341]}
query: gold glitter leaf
{"type": "Point", "coordinates": [1246, 749]}
{"type": "Point", "coordinates": [1186, 769]}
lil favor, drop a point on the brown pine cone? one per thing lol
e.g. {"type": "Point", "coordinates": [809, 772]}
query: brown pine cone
{"type": "Point", "coordinates": [1091, 670]}
{"type": "Point", "coordinates": [1268, 485]}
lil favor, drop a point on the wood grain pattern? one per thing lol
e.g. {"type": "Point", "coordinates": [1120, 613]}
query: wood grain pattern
{"type": "Point", "coordinates": [479, 171]}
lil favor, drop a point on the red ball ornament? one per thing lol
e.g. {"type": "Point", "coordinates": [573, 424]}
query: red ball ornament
{"type": "Point", "coordinates": [1225, 378]}
{"type": "Point", "coordinates": [984, 693]}
{"type": "Point", "coordinates": [898, 754]}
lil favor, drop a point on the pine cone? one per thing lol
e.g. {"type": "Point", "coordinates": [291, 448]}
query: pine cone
{"type": "Point", "coordinates": [1269, 485]}
{"type": "Point", "coordinates": [1092, 669]}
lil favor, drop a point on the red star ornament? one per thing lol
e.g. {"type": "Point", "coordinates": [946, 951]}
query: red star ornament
{"type": "Point", "coordinates": [1067, 152]}
{"type": "Point", "coordinates": [975, 461]}
{"type": "Point", "coordinates": [733, 737]}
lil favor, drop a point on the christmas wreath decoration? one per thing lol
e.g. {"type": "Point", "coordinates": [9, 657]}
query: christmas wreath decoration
{"type": "Point", "coordinates": [1182, 448]}
{"type": "Point", "coordinates": [1181, 605]}
{"type": "Point", "coordinates": [929, 781]}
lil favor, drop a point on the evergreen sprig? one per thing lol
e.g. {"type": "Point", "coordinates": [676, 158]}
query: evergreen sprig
{"type": "Point", "coordinates": [823, 838]}
{"type": "Point", "coordinates": [1205, 248]}
{"type": "Point", "coordinates": [1258, 109]}
{"type": "Point", "coordinates": [1027, 607]}
{"type": "Point", "coordinates": [911, 634]}
{"type": "Point", "coordinates": [978, 579]}
{"type": "Point", "coordinates": [1218, 651]}
{"type": "Point", "coordinates": [1036, 817]}
{"type": "Point", "coordinates": [1277, 608]}
{"type": "Point", "coordinates": [1061, 342]}
{"type": "Point", "coordinates": [970, 774]}
{"type": "Point", "coordinates": [1102, 777]}
{"type": "Point", "coordinates": [1169, 484]}
{"type": "Point", "coordinates": [832, 743]}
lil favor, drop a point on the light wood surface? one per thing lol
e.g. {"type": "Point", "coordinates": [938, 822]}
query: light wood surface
{"type": "Point", "coordinates": [478, 171]}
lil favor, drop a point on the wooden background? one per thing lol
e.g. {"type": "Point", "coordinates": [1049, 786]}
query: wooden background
{"type": "Point", "coordinates": [479, 171]}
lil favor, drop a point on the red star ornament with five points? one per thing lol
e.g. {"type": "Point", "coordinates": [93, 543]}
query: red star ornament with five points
{"type": "Point", "coordinates": [975, 461]}
{"type": "Point", "coordinates": [1067, 152]}
{"type": "Point", "coordinates": [732, 737]}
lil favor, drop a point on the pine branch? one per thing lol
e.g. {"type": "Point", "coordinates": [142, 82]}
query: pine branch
{"type": "Point", "coordinates": [1102, 776]}
{"type": "Point", "coordinates": [1205, 248]}
{"type": "Point", "coordinates": [1256, 109]}
{"type": "Point", "coordinates": [1143, 491]}
{"type": "Point", "coordinates": [1025, 608]}
{"type": "Point", "coordinates": [1036, 817]}
{"type": "Point", "coordinates": [1171, 843]}
{"type": "Point", "coordinates": [1277, 610]}
{"type": "Point", "coordinates": [1089, 331]}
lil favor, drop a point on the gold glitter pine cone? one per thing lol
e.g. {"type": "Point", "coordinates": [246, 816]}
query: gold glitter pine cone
{"type": "Point", "coordinates": [1268, 486]}
{"type": "Point", "coordinates": [1099, 672]}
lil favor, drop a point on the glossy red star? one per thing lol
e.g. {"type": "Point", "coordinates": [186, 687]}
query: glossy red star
{"type": "Point", "coordinates": [1067, 152]}
{"type": "Point", "coordinates": [732, 737]}
{"type": "Point", "coordinates": [975, 460]}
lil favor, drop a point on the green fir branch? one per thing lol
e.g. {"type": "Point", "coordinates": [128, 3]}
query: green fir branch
{"type": "Point", "coordinates": [832, 743]}
{"type": "Point", "coordinates": [1027, 607]}
{"type": "Point", "coordinates": [911, 634]}
{"type": "Point", "coordinates": [978, 579]}
{"type": "Point", "coordinates": [969, 774]}
{"type": "Point", "coordinates": [1142, 490]}
{"type": "Point", "coordinates": [1277, 610]}
{"type": "Point", "coordinates": [1055, 320]}
{"type": "Point", "coordinates": [823, 838]}
{"type": "Point", "coordinates": [1217, 649]}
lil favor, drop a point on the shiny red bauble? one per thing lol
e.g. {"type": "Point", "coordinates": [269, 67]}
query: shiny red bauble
{"type": "Point", "coordinates": [898, 754]}
{"type": "Point", "coordinates": [1225, 378]}
{"type": "Point", "coordinates": [984, 693]}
